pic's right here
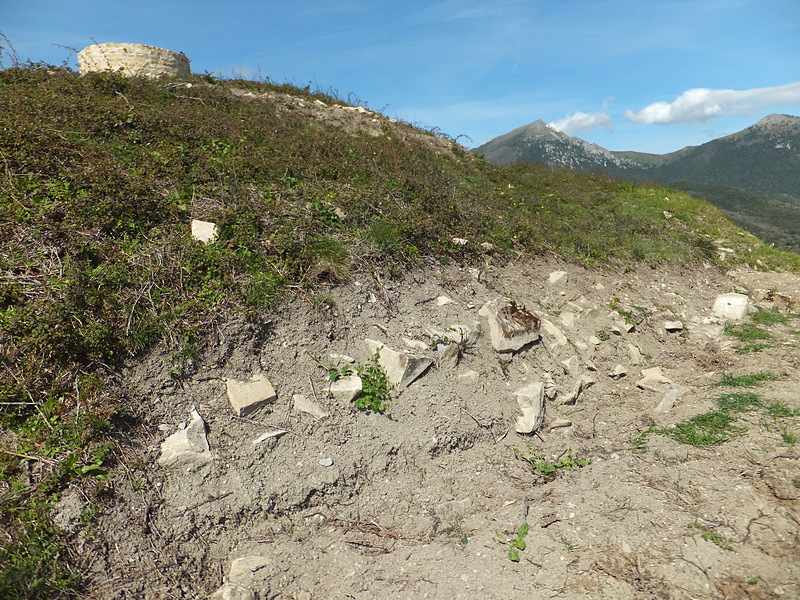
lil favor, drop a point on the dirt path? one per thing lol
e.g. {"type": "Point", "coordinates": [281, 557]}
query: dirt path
{"type": "Point", "coordinates": [421, 502]}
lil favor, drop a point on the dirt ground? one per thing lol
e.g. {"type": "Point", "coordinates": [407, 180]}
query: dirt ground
{"type": "Point", "coordinates": [423, 500]}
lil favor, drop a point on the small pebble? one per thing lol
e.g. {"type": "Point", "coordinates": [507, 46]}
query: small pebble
{"type": "Point", "coordinates": [326, 462]}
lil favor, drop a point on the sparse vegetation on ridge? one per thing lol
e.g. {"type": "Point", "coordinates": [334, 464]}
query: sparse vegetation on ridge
{"type": "Point", "coordinates": [100, 177]}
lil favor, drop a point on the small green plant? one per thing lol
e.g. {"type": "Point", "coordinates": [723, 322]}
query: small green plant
{"type": "Point", "coordinates": [639, 443]}
{"type": "Point", "coordinates": [569, 545]}
{"type": "Point", "coordinates": [517, 543]}
{"type": "Point", "coordinates": [710, 535]}
{"type": "Point", "coordinates": [548, 470]}
{"type": "Point", "coordinates": [751, 380]}
{"type": "Point", "coordinates": [603, 336]}
{"type": "Point", "coordinates": [788, 436]}
{"type": "Point", "coordinates": [375, 388]}
{"type": "Point", "coordinates": [336, 373]}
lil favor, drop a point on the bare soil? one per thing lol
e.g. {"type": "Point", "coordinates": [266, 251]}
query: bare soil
{"type": "Point", "coordinates": [421, 501]}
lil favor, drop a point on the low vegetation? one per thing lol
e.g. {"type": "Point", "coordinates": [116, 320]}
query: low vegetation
{"type": "Point", "coordinates": [100, 176]}
{"type": "Point", "coordinates": [720, 424]}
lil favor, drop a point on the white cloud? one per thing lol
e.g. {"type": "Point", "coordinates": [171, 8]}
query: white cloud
{"type": "Point", "coordinates": [700, 105]}
{"type": "Point", "coordinates": [581, 121]}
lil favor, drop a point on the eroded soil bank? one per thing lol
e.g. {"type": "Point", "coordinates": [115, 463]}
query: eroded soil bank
{"type": "Point", "coordinates": [423, 500]}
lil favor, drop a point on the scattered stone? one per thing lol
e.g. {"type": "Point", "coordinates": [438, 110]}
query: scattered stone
{"type": "Point", "coordinates": [449, 355]}
{"type": "Point", "coordinates": [567, 319]}
{"type": "Point", "coordinates": [707, 331]}
{"type": "Point", "coordinates": [654, 380]}
{"type": "Point", "coordinates": [618, 372]}
{"type": "Point", "coordinates": [580, 385]}
{"type": "Point", "coordinates": [570, 364]}
{"type": "Point", "coordinates": [486, 246]}
{"type": "Point", "coordinates": [673, 325]}
{"type": "Point", "coordinates": [668, 401]}
{"type": "Point", "coordinates": [531, 403]}
{"type": "Point", "coordinates": [511, 326]}
{"type": "Point", "coordinates": [460, 241]}
{"type": "Point", "coordinates": [233, 591]}
{"type": "Point", "coordinates": [269, 434]}
{"type": "Point", "coordinates": [416, 344]}
{"type": "Point", "coordinates": [346, 389]}
{"type": "Point", "coordinates": [467, 334]}
{"type": "Point", "coordinates": [248, 396]}
{"type": "Point", "coordinates": [620, 328]}
{"type": "Point", "coordinates": [342, 358]}
{"type": "Point", "coordinates": [188, 445]}
{"type": "Point", "coordinates": [555, 338]}
{"type": "Point", "coordinates": [204, 231]}
{"type": "Point", "coordinates": [325, 462]}
{"type": "Point", "coordinates": [401, 369]}
{"type": "Point", "coordinates": [550, 389]}
{"type": "Point", "coordinates": [558, 277]}
{"type": "Point", "coordinates": [782, 301]}
{"type": "Point", "coordinates": [469, 375]}
{"type": "Point", "coordinates": [732, 306]}
{"type": "Point", "coordinates": [582, 346]}
{"type": "Point", "coordinates": [248, 570]}
{"type": "Point", "coordinates": [442, 300]}
{"type": "Point", "coordinates": [594, 340]}
{"type": "Point", "coordinates": [309, 407]}
{"type": "Point", "coordinates": [635, 355]}
{"type": "Point", "coordinates": [560, 423]}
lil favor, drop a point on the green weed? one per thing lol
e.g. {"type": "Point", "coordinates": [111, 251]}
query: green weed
{"type": "Point", "coordinates": [375, 388]}
{"type": "Point", "coordinates": [712, 536]}
{"type": "Point", "coordinates": [548, 470]}
{"type": "Point", "coordinates": [517, 543]}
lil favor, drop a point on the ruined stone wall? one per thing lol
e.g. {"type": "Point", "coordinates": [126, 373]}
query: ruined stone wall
{"type": "Point", "coordinates": [133, 60]}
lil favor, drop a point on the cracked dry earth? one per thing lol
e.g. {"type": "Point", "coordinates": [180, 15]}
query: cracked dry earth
{"type": "Point", "coordinates": [421, 501]}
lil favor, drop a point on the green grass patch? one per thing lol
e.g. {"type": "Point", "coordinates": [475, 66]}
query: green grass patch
{"type": "Point", "coordinates": [749, 380]}
{"type": "Point", "coordinates": [739, 402]}
{"type": "Point", "coordinates": [768, 317]}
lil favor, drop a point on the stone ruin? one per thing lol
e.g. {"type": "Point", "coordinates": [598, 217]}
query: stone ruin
{"type": "Point", "coordinates": [133, 60]}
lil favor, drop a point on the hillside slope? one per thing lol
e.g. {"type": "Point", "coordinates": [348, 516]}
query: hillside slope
{"type": "Point", "coordinates": [755, 170]}
{"type": "Point", "coordinates": [115, 322]}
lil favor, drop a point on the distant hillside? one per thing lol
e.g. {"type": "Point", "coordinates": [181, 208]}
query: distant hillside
{"type": "Point", "coordinates": [763, 160]}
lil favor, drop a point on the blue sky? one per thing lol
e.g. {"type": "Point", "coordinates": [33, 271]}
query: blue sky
{"type": "Point", "coordinates": [647, 75]}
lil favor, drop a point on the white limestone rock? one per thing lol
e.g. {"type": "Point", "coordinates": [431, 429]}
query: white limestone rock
{"type": "Point", "coordinates": [346, 389]}
{"type": "Point", "coordinates": [309, 407]}
{"type": "Point", "coordinates": [187, 446]}
{"type": "Point", "coordinates": [531, 403]}
{"type": "Point", "coordinates": [246, 397]}
{"type": "Point", "coordinates": [401, 368]}
{"type": "Point", "coordinates": [654, 380]}
{"type": "Point", "coordinates": [554, 338]}
{"type": "Point", "coordinates": [732, 306]}
{"type": "Point", "coordinates": [511, 325]}
{"type": "Point", "coordinates": [204, 231]}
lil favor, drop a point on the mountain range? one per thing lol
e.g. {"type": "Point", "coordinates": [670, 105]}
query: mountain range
{"type": "Point", "coordinates": [753, 176]}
